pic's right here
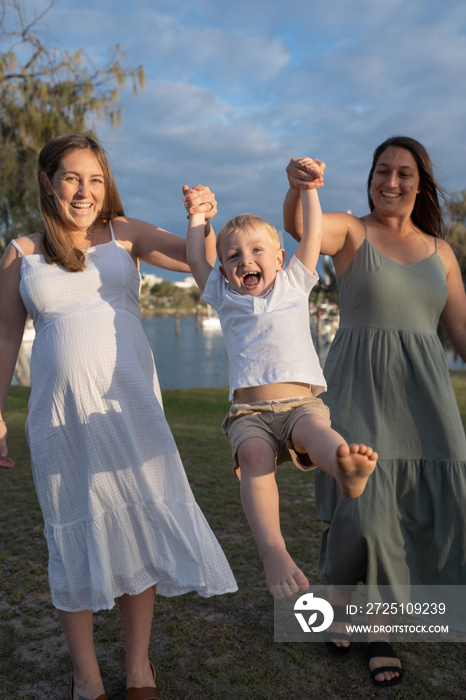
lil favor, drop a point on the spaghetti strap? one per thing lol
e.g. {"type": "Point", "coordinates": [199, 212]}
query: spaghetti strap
{"type": "Point", "coordinates": [365, 229]}
{"type": "Point", "coordinates": [21, 252]}
{"type": "Point", "coordinates": [436, 244]}
{"type": "Point", "coordinates": [111, 230]}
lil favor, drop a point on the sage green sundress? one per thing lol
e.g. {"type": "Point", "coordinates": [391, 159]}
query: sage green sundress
{"type": "Point", "coordinates": [389, 387]}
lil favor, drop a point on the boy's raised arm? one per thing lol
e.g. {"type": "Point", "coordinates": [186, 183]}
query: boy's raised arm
{"type": "Point", "coordinates": [309, 248]}
{"type": "Point", "coordinates": [196, 250]}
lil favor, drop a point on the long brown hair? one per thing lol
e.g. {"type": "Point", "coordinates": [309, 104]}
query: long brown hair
{"type": "Point", "coordinates": [57, 241]}
{"type": "Point", "coordinates": [427, 212]}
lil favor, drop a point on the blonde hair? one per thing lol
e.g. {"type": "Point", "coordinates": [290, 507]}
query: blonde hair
{"type": "Point", "coordinates": [243, 224]}
{"type": "Point", "coordinates": [57, 241]}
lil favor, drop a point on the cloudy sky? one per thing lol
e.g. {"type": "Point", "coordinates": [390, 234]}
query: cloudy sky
{"type": "Point", "coordinates": [235, 89]}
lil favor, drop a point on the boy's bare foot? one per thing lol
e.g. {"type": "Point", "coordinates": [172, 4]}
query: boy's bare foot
{"type": "Point", "coordinates": [355, 464]}
{"type": "Point", "coordinates": [282, 576]}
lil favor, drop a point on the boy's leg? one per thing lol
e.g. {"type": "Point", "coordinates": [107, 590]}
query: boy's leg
{"type": "Point", "coordinates": [259, 495]}
{"type": "Point", "coordinates": [350, 465]}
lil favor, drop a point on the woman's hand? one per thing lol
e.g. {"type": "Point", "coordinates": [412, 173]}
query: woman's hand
{"type": "Point", "coordinates": [5, 461]}
{"type": "Point", "coordinates": [199, 200]}
{"type": "Point", "coordinates": [305, 173]}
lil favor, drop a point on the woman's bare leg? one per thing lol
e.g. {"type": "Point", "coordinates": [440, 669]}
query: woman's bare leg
{"type": "Point", "coordinates": [78, 628]}
{"type": "Point", "coordinates": [379, 661]}
{"type": "Point", "coordinates": [339, 595]}
{"type": "Point", "coordinates": [136, 613]}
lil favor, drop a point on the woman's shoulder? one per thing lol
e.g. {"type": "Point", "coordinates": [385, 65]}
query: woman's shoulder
{"type": "Point", "coordinates": [343, 221]}
{"type": "Point", "coordinates": [446, 253]}
{"type": "Point", "coordinates": [347, 234]}
{"type": "Point", "coordinates": [29, 245]}
{"type": "Point", "coordinates": [127, 230]}
{"type": "Point", "coordinates": [118, 223]}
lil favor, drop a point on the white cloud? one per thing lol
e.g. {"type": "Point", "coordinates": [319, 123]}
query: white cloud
{"type": "Point", "coordinates": [235, 89]}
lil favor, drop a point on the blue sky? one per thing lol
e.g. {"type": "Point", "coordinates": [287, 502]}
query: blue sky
{"type": "Point", "coordinates": [234, 90]}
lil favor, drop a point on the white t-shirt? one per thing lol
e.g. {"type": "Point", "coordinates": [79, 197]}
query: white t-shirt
{"type": "Point", "coordinates": [268, 338]}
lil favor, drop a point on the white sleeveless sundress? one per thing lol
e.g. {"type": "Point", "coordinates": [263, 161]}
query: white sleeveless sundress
{"type": "Point", "coordinates": [119, 513]}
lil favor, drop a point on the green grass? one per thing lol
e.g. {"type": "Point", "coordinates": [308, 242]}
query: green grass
{"type": "Point", "coordinates": [220, 648]}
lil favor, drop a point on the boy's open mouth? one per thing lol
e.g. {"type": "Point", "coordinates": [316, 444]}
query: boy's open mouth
{"type": "Point", "coordinates": [251, 279]}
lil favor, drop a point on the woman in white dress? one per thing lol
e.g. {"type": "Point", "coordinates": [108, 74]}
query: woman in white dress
{"type": "Point", "coordinates": [120, 517]}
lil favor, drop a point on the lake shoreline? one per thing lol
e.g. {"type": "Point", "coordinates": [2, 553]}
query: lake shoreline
{"type": "Point", "coordinates": [171, 312]}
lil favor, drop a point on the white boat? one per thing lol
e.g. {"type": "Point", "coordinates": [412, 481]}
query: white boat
{"type": "Point", "coordinates": [29, 332]}
{"type": "Point", "coordinates": [211, 321]}
{"type": "Point", "coordinates": [22, 369]}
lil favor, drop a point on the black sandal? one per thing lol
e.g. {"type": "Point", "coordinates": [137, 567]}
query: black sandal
{"type": "Point", "coordinates": [384, 649]}
{"type": "Point", "coordinates": [340, 615]}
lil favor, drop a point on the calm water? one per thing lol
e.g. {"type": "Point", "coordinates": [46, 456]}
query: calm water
{"type": "Point", "coordinates": [196, 357]}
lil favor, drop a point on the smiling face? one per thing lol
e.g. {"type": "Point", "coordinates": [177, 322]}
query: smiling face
{"type": "Point", "coordinates": [78, 187]}
{"type": "Point", "coordinates": [395, 182]}
{"type": "Point", "coordinates": [251, 260]}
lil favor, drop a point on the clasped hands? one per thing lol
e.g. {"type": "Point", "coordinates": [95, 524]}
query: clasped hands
{"type": "Point", "coordinates": [199, 199]}
{"type": "Point", "coordinates": [305, 173]}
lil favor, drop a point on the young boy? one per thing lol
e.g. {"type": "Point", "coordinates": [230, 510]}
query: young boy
{"type": "Point", "coordinates": [275, 374]}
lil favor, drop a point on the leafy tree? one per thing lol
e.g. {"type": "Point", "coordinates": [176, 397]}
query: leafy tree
{"type": "Point", "coordinates": [195, 294]}
{"type": "Point", "coordinates": [45, 91]}
{"type": "Point", "coordinates": [456, 237]}
{"type": "Point", "coordinates": [162, 289]}
{"type": "Point", "coordinates": [457, 233]}
{"type": "Point", "coordinates": [169, 293]}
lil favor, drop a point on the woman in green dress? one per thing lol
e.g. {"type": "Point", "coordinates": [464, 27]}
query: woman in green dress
{"type": "Point", "coordinates": [389, 386]}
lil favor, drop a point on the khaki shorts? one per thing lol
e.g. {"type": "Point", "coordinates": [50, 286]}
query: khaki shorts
{"type": "Point", "coordinates": [273, 421]}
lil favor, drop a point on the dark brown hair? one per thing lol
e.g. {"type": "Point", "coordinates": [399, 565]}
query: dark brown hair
{"type": "Point", "coordinates": [57, 241]}
{"type": "Point", "coordinates": [427, 212]}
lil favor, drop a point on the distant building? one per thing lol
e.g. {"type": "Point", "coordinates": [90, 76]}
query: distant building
{"type": "Point", "coordinates": [150, 280]}
{"type": "Point", "coordinates": [188, 283]}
